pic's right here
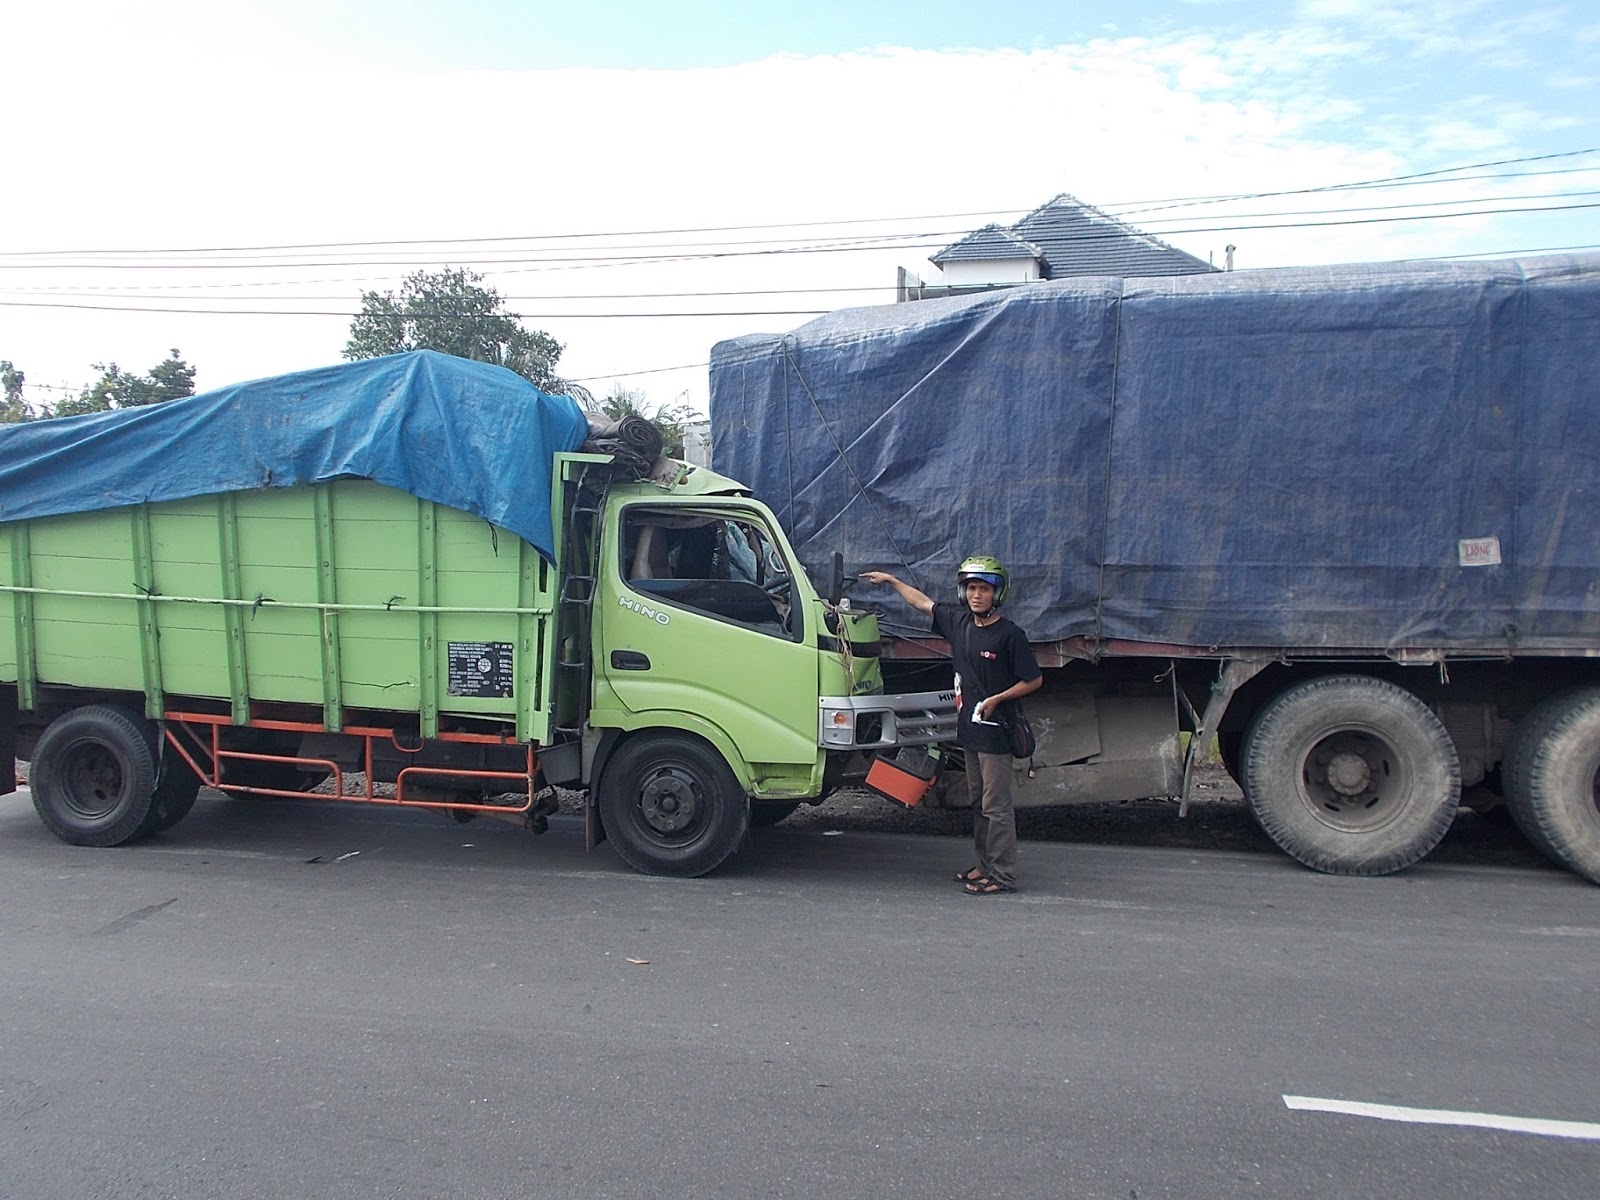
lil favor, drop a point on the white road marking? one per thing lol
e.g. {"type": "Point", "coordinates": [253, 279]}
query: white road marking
{"type": "Point", "coordinates": [1588, 1131]}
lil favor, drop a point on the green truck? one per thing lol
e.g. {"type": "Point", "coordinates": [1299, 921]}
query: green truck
{"type": "Point", "coordinates": [332, 583]}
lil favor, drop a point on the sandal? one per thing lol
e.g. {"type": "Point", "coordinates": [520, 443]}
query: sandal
{"type": "Point", "coordinates": [970, 875]}
{"type": "Point", "coordinates": [988, 887]}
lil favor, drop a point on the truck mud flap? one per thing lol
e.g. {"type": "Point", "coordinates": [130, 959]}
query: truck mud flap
{"type": "Point", "coordinates": [594, 830]}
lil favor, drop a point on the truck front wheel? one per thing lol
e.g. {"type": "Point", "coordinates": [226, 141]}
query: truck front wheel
{"type": "Point", "coordinates": [1351, 775]}
{"type": "Point", "coordinates": [671, 806]}
{"type": "Point", "coordinates": [93, 775]}
{"type": "Point", "coordinates": [1553, 781]}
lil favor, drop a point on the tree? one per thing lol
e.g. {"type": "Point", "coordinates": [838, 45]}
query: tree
{"type": "Point", "coordinates": [450, 312]}
{"type": "Point", "coordinates": [170, 380]}
{"type": "Point", "coordinates": [117, 388]}
{"type": "Point", "coordinates": [669, 418]}
{"type": "Point", "coordinates": [13, 408]}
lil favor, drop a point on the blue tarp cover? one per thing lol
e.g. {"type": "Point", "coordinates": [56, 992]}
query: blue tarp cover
{"type": "Point", "coordinates": [1320, 457]}
{"type": "Point", "coordinates": [465, 434]}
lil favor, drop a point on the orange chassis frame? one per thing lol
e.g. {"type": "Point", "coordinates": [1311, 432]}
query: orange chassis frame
{"type": "Point", "coordinates": [204, 753]}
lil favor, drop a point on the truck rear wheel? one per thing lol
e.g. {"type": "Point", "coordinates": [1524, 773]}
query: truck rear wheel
{"type": "Point", "coordinates": [93, 776]}
{"type": "Point", "coordinates": [1351, 775]}
{"type": "Point", "coordinates": [1553, 784]}
{"type": "Point", "coordinates": [671, 806]}
{"type": "Point", "coordinates": [1516, 764]}
{"type": "Point", "coordinates": [174, 794]}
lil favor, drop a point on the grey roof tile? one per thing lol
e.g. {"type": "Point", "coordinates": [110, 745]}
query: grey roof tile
{"type": "Point", "coordinates": [1074, 238]}
{"type": "Point", "coordinates": [989, 243]}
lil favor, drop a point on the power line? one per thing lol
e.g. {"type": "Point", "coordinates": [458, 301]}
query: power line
{"type": "Point", "coordinates": [699, 365]}
{"type": "Point", "coordinates": [304, 312]}
{"type": "Point", "coordinates": [1441, 175]}
{"type": "Point", "coordinates": [1382, 208]}
{"type": "Point", "coordinates": [1135, 207]}
{"type": "Point", "coordinates": [1387, 181]}
{"type": "Point", "coordinates": [537, 237]}
{"type": "Point", "coordinates": [857, 246]}
{"type": "Point", "coordinates": [1512, 253]}
{"type": "Point", "coordinates": [66, 291]}
{"type": "Point", "coordinates": [646, 315]}
{"type": "Point", "coordinates": [631, 374]}
{"type": "Point", "coordinates": [1109, 235]}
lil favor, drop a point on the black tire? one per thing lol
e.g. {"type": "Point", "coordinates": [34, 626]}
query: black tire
{"type": "Point", "coordinates": [1351, 775]}
{"type": "Point", "coordinates": [1516, 767]}
{"type": "Point", "coordinates": [1559, 796]}
{"type": "Point", "coordinates": [766, 813]}
{"type": "Point", "coordinates": [174, 794]}
{"type": "Point", "coordinates": [93, 776]}
{"type": "Point", "coordinates": [671, 806]}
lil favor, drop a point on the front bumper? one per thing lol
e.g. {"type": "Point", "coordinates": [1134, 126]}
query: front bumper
{"type": "Point", "coordinates": [880, 722]}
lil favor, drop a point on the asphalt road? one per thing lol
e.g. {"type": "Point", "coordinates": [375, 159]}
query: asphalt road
{"type": "Point", "coordinates": [296, 999]}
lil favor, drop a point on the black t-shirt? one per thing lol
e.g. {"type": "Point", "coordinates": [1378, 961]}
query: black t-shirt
{"type": "Point", "coordinates": [988, 660]}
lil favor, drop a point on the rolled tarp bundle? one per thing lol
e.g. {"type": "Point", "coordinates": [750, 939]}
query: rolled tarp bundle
{"type": "Point", "coordinates": [634, 439]}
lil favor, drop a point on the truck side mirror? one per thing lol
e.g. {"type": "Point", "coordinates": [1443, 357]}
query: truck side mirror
{"type": "Point", "coordinates": [836, 579]}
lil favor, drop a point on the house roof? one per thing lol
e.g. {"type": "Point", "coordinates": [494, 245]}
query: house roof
{"type": "Point", "coordinates": [1074, 238]}
{"type": "Point", "coordinates": [986, 245]}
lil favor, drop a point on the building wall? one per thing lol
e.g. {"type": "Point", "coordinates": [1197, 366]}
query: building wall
{"type": "Point", "coordinates": [998, 270]}
{"type": "Point", "coordinates": [697, 444]}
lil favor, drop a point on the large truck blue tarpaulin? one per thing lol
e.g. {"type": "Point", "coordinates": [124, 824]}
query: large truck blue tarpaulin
{"type": "Point", "coordinates": [469, 435]}
{"type": "Point", "coordinates": [1387, 456]}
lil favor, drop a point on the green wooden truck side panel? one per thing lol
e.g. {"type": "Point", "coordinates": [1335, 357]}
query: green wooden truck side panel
{"type": "Point", "coordinates": [344, 595]}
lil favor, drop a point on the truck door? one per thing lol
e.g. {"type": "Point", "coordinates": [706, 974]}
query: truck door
{"type": "Point", "coordinates": [699, 614]}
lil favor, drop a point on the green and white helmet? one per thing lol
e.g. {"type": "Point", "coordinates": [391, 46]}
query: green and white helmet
{"type": "Point", "coordinates": [988, 569]}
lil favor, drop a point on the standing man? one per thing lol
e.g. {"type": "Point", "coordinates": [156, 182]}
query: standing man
{"type": "Point", "coordinates": [994, 665]}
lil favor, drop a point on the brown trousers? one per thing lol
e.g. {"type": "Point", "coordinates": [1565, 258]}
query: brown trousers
{"type": "Point", "coordinates": [994, 816]}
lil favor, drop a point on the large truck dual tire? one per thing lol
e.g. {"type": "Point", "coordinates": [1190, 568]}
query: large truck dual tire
{"type": "Point", "coordinates": [1552, 779]}
{"type": "Point", "coordinates": [671, 806]}
{"type": "Point", "coordinates": [93, 776]}
{"type": "Point", "coordinates": [176, 788]}
{"type": "Point", "coordinates": [1351, 775]}
{"type": "Point", "coordinates": [1515, 765]}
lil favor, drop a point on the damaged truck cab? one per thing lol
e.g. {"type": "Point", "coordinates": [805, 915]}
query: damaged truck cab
{"type": "Point", "coordinates": [718, 672]}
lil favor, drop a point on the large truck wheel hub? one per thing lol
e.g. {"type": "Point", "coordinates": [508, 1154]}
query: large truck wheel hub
{"type": "Point", "coordinates": [93, 780]}
{"type": "Point", "coordinates": [1351, 780]}
{"type": "Point", "coordinates": [1348, 774]}
{"type": "Point", "coordinates": [669, 800]}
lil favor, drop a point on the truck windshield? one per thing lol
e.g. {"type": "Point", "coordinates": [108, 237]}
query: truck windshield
{"type": "Point", "coordinates": [725, 567]}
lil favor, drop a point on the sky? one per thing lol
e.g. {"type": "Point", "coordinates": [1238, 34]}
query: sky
{"type": "Point", "coordinates": [642, 179]}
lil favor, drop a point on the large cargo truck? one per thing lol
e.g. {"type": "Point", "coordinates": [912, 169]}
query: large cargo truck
{"type": "Point", "coordinates": [1341, 524]}
{"type": "Point", "coordinates": [407, 582]}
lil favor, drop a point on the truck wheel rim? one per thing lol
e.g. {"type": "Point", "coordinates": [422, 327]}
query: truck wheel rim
{"type": "Point", "coordinates": [1354, 780]}
{"type": "Point", "coordinates": [670, 801]}
{"type": "Point", "coordinates": [92, 780]}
